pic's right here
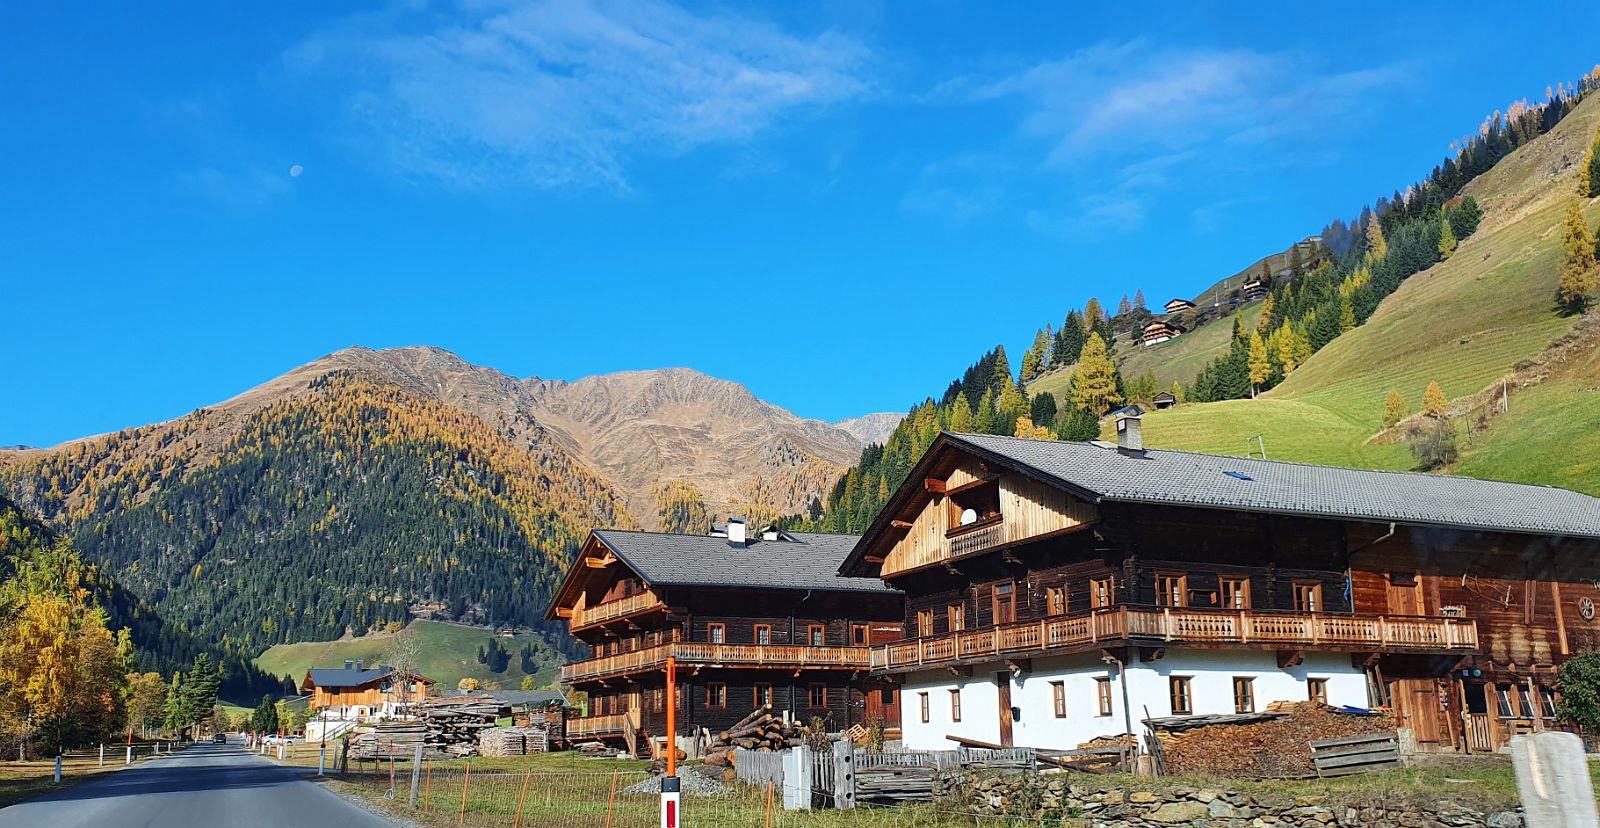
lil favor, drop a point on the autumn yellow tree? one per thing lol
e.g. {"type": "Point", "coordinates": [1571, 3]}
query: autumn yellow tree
{"type": "Point", "coordinates": [1011, 404]}
{"type": "Point", "coordinates": [147, 701]}
{"type": "Point", "coordinates": [961, 414]}
{"type": "Point", "coordinates": [1264, 321]}
{"type": "Point", "coordinates": [1447, 239]}
{"type": "Point", "coordinates": [1394, 408]}
{"type": "Point", "coordinates": [1434, 402]}
{"type": "Point", "coordinates": [1026, 429]}
{"type": "Point", "coordinates": [680, 509]}
{"type": "Point", "coordinates": [1589, 171]}
{"type": "Point", "coordinates": [1177, 393]}
{"type": "Point", "coordinates": [1579, 272]}
{"type": "Point", "coordinates": [1260, 366]}
{"type": "Point", "coordinates": [1377, 245]}
{"type": "Point", "coordinates": [1094, 381]}
{"type": "Point", "coordinates": [1347, 316]}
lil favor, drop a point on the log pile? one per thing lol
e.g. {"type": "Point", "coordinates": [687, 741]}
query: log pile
{"type": "Point", "coordinates": [446, 726]}
{"type": "Point", "coordinates": [759, 731]}
{"type": "Point", "coordinates": [1275, 743]}
{"type": "Point", "coordinates": [513, 741]}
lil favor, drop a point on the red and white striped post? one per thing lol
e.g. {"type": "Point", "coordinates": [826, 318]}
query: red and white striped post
{"type": "Point", "coordinates": [669, 783]}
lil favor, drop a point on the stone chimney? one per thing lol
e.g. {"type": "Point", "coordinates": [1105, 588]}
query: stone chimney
{"type": "Point", "coordinates": [1130, 438]}
{"type": "Point", "coordinates": [736, 532]}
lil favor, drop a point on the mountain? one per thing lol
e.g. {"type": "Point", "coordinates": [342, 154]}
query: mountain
{"type": "Point", "coordinates": [368, 487]}
{"type": "Point", "coordinates": [871, 429]}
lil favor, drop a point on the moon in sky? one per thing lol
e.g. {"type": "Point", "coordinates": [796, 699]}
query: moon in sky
{"type": "Point", "coordinates": [294, 171]}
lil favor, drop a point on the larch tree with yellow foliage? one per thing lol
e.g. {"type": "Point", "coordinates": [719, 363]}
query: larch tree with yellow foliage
{"type": "Point", "coordinates": [1260, 366]}
{"type": "Point", "coordinates": [961, 414]}
{"type": "Point", "coordinates": [1434, 402]}
{"type": "Point", "coordinates": [1394, 408]}
{"type": "Point", "coordinates": [1579, 273]}
{"type": "Point", "coordinates": [1377, 245]}
{"type": "Point", "coordinates": [1447, 239]}
{"type": "Point", "coordinates": [1027, 430]}
{"type": "Point", "coordinates": [1264, 321]}
{"type": "Point", "coordinates": [1094, 381]}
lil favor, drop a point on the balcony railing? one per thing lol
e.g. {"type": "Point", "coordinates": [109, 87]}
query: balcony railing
{"type": "Point", "coordinates": [612, 610]}
{"type": "Point", "coordinates": [610, 724]}
{"type": "Point", "coordinates": [1161, 625]}
{"type": "Point", "coordinates": [696, 654]}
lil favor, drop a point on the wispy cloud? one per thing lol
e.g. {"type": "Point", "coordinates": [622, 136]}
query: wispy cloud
{"type": "Point", "coordinates": [567, 92]}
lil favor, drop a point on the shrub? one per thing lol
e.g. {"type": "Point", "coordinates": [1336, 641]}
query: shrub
{"type": "Point", "coordinates": [1435, 447]}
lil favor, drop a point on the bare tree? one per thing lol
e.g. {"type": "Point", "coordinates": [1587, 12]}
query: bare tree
{"type": "Point", "coordinates": [403, 654]}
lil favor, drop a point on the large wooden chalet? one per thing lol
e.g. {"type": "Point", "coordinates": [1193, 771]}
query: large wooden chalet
{"type": "Point", "coordinates": [750, 621]}
{"type": "Point", "coordinates": [1061, 591]}
{"type": "Point", "coordinates": [359, 692]}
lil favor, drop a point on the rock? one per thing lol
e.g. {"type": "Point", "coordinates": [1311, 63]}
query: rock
{"type": "Point", "coordinates": [1303, 801]}
{"type": "Point", "coordinates": [1175, 813]}
{"type": "Point", "coordinates": [1504, 819]}
{"type": "Point", "coordinates": [1221, 809]}
{"type": "Point", "coordinates": [1142, 798]}
{"type": "Point", "coordinates": [1206, 794]}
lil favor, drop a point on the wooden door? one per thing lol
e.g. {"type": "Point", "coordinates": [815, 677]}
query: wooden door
{"type": "Point", "coordinates": [1421, 710]}
{"type": "Point", "coordinates": [1002, 682]}
{"type": "Point", "coordinates": [883, 705]}
{"type": "Point", "coordinates": [1405, 592]}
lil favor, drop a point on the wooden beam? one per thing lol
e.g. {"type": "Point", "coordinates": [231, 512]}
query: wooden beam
{"type": "Point", "coordinates": [1290, 658]}
{"type": "Point", "coordinates": [933, 486]}
{"type": "Point", "coordinates": [601, 562]}
{"type": "Point", "coordinates": [900, 524]}
{"type": "Point", "coordinates": [1020, 666]}
{"type": "Point", "coordinates": [1151, 653]}
{"type": "Point", "coordinates": [563, 612]}
{"type": "Point", "coordinates": [876, 560]}
{"type": "Point", "coordinates": [962, 670]}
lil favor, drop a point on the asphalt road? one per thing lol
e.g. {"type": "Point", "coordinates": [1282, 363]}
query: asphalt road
{"type": "Point", "coordinates": [202, 785]}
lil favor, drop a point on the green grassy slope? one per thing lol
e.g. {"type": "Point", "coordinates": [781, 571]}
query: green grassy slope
{"type": "Point", "coordinates": [1180, 359]}
{"type": "Point", "coordinates": [449, 654]}
{"type": "Point", "coordinates": [1461, 323]}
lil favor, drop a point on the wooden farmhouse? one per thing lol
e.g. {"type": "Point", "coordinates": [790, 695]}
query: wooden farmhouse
{"type": "Point", "coordinates": [1253, 290]}
{"type": "Point", "coordinates": [1179, 306]}
{"type": "Point", "coordinates": [1158, 331]}
{"type": "Point", "coordinates": [360, 693]}
{"type": "Point", "coordinates": [1061, 591]}
{"type": "Point", "coordinates": [750, 621]}
{"type": "Point", "coordinates": [1164, 400]}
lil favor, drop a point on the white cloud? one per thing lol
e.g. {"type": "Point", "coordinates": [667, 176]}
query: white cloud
{"type": "Point", "coordinates": [566, 92]}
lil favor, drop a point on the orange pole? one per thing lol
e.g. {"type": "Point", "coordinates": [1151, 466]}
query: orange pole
{"type": "Point", "coordinates": [462, 818]}
{"type": "Point", "coordinates": [427, 781]}
{"type": "Point", "coordinates": [391, 769]}
{"type": "Point", "coordinates": [613, 800]}
{"type": "Point", "coordinates": [769, 803]}
{"type": "Point", "coordinates": [517, 823]}
{"type": "Point", "coordinates": [672, 716]}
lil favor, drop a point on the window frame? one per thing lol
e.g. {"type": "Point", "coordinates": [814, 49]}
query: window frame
{"type": "Point", "coordinates": [1244, 694]}
{"type": "Point", "coordinates": [717, 690]}
{"type": "Point", "coordinates": [923, 701]}
{"type": "Point", "coordinates": [1308, 596]}
{"type": "Point", "coordinates": [924, 623]}
{"type": "Point", "coordinates": [1058, 698]}
{"type": "Point", "coordinates": [1181, 689]}
{"type": "Point", "coordinates": [1103, 699]}
{"type": "Point", "coordinates": [811, 691]}
{"type": "Point", "coordinates": [1238, 586]}
{"type": "Point", "coordinates": [816, 635]}
{"type": "Point", "coordinates": [761, 634]}
{"type": "Point", "coordinates": [956, 616]}
{"type": "Point", "coordinates": [1166, 596]}
{"type": "Point", "coordinates": [1103, 592]}
{"type": "Point", "coordinates": [1055, 600]}
{"type": "Point", "coordinates": [860, 635]}
{"type": "Point", "coordinates": [1010, 602]}
{"type": "Point", "coordinates": [716, 633]}
{"type": "Point", "coordinates": [1317, 689]}
{"type": "Point", "coordinates": [955, 704]}
{"type": "Point", "coordinates": [758, 691]}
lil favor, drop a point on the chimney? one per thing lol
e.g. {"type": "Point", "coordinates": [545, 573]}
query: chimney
{"type": "Point", "coordinates": [1130, 440]}
{"type": "Point", "coordinates": [359, 664]}
{"type": "Point", "coordinates": [349, 665]}
{"type": "Point", "coordinates": [736, 532]}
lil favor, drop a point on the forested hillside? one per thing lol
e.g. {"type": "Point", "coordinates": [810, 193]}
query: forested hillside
{"type": "Point", "coordinates": [347, 506]}
{"type": "Point", "coordinates": [1303, 337]}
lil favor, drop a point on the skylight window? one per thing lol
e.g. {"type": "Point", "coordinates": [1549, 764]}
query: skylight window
{"type": "Point", "coordinates": [1237, 475]}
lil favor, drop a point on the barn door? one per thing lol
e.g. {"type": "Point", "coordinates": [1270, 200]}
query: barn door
{"type": "Point", "coordinates": [1405, 593]}
{"type": "Point", "coordinates": [883, 705]}
{"type": "Point", "coordinates": [1002, 683]}
{"type": "Point", "coordinates": [1423, 711]}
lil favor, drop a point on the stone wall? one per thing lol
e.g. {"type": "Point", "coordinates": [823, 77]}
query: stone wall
{"type": "Point", "coordinates": [1055, 796]}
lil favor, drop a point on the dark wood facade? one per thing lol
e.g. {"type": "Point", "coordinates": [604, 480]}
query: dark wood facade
{"type": "Point", "coordinates": [803, 650]}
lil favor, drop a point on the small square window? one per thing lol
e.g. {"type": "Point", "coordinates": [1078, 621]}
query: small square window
{"type": "Point", "coordinates": [1244, 695]}
{"type": "Point", "coordinates": [815, 635]}
{"type": "Point", "coordinates": [1181, 698]}
{"type": "Point", "coordinates": [716, 633]}
{"type": "Point", "coordinates": [955, 705]}
{"type": "Point", "coordinates": [1317, 690]}
{"type": "Point", "coordinates": [817, 696]}
{"type": "Point", "coordinates": [716, 696]}
{"type": "Point", "coordinates": [763, 634]}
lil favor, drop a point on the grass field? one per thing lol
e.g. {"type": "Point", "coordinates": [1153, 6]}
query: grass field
{"type": "Point", "coordinates": [449, 654]}
{"type": "Point", "coordinates": [1180, 359]}
{"type": "Point", "coordinates": [1462, 323]}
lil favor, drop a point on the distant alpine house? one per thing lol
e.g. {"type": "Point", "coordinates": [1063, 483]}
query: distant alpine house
{"type": "Point", "coordinates": [1060, 591]}
{"type": "Point", "coordinates": [750, 620]}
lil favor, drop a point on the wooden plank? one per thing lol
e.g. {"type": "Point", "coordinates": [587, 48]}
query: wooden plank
{"type": "Point", "coordinates": [1346, 753]}
{"type": "Point", "coordinates": [1362, 769]}
{"type": "Point", "coordinates": [1353, 740]}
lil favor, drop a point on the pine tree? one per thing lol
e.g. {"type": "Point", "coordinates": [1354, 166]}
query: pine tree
{"type": "Point", "coordinates": [1589, 171]}
{"type": "Point", "coordinates": [1177, 392]}
{"type": "Point", "coordinates": [983, 416]}
{"type": "Point", "coordinates": [1077, 425]}
{"type": "Point", "coordinates": [1094, 382]}
{"type": "Point", "coordinates": [1394, 408]}
{"type": "Point", "coordinates": [1011, 406]}
{"type": "Point", "coordinates": [1124, 307]}
{"type": "Point", "coordinates": [1579, 272]}
{"type": "Point", "coordinates": [1347, 316]}
{"type": "Point", "coordinates": [961, 414]}
{"type": "Point", "coordinates": [1093, 314]}
{"type": "Point", "coordinates": [1138, 299]}
{"type": "Point", "coordinates": [1434, 402]}
{"type": "Point", "coordinates": [1447, 239]}
{"type": "Point", "coordinates": [1260, 367]}
{"type": "Point", "coordinates": [1377, 246]}
{"type": "Point", "coordinates": [1030, 364]}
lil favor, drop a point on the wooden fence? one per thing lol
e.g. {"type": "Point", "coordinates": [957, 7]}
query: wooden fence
{"type": "Point", "coordinates": [753, 767]}
{"type": "Point", "coordinates": [1355, 754]}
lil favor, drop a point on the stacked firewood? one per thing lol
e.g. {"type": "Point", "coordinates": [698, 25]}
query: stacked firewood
{"type": "Point", "coordinates": [512, 741]}
{"type": "Point", "coordinates": [761, 731]}
{"type": "Point", "coordinates": [1274, 743]}
{"type": "Point", "coordinates": [447, 726]}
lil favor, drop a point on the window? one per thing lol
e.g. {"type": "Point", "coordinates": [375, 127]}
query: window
{"type": "Point", "coordinates": [1179, 688]}
{"type": "Point", "coordinates": [1307, 596]}
{"type": "Point", "coordinates": [817, 696]}
{"type": "Point", "coordinates": [1172, 590]}
{"type": "Point", "coordinates": [1317, 690]}
{"type": "Point", "coordinates": [981, 498]}
{"type": "Point", "coordinates": [958, 617]}
{"type": "Point", "coordinates": [1244, 695]}
{"type": "Point", "coordinates": [1102, 694]}
{"type": "Point", "coordinates": [1547, 702]}
{"type": "Point", "coordinates": [716, 633]}
{"type": "Point", "coordinates": [1235, 592]}
{"type": "Point", "coordinates": [1058, 697]}
{"type": "Point", "coordinates": [658, 700]}
{"type": "Point", "coordinates": [924, 622]}
{"type": "Point", "coordinates": [1055, 600]}
{"type": "Point", "coordinates": [814, 635]}
{"type": "Point", "coordinates": [858, 635]}
{"type": "Point", "coordinates": [1524, 709]}
{"type": "Point", "coordinates": [1102, 592]}
{"type": "Point", "coordinates": [1502, 697]}
{"type": "Point", "coordinates": [763, 694]}
{"type": "Point", "coordinates": [955, 705]}
{"type": "Point", "coordinates": [1005, 602]}
{"type": "Point", "coordinates": [763, 633]}
{"type": "Point", "coordinates": [716, 695]}
{"type": "Point", "coordinates": [922, 699]}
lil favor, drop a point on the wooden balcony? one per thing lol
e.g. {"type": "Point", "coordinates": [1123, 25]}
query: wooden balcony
{"type": "Point", "coordinates": [1161, 626]}
{"type": "Point", "coordinates": [588, 727]}
{"type": "Point", "coordinates": [696, 654]}
{"type": "Point", "coordinates": [646, 601]}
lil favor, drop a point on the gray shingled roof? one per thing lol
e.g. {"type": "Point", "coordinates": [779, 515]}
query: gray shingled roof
{"type": "Point", "coordinates": [1100, 472]}
{"type": "Point", "coordinates": [810, 561]}
{"type": "Point", "coordinates": [516, 698]}
{"type": "Point", "coordinates": [340, 677]}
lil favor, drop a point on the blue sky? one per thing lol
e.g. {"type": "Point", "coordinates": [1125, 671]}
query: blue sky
{"type": "Point", "coordinates": [838, 204]}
